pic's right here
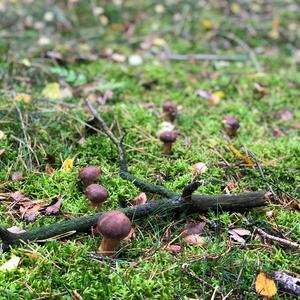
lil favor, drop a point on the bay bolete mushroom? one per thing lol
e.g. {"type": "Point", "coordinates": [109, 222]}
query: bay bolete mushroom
{"type": "Point", "coordinates": [97, 194]}
{"type": "Point", "coordinates": [89, 174]}
{"type": "Point", "coordinates": [168, 138]}
{"type": "Point", "coordinates": [114, 226]}
{"type": "Point", "coordinates": [231, 125]}
{"type": "Point", "coordinates": [170, 111]}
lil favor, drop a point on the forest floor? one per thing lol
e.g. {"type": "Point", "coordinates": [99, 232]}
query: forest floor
{"type": "Point", "coordinates": [54, 54]}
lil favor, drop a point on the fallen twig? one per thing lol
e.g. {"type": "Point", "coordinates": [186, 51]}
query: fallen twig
{"type": "Point", "coordinates": [277, 239]}
{"type": "Point", "coordinates": [287, 283]}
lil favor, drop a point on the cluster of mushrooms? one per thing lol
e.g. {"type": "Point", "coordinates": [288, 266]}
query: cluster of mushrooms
{"type": "Point", "coordinates": [114, 226]}
{"type": "Point", "coordinates": [168, 136]}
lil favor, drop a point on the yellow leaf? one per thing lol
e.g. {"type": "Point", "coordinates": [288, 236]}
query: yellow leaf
{"type": "Point", "coordinates": [238, 154]}
{"type": "Point", "coordinates": [26, 62]}
{"type": "Point", "coordinates": [11, 264]}
{"type": "Point", "coordinates": [265, 286]}
{"type": "Point", "coordinates": [219, 94]}
{"type": "Point", "coordinates": [159, 42]}
{"type": "Point", "coordinates": [235, 8]}
{"type": "Point", "coordinates": [53, 91]}
{"type": "Point", "coordinates": [2, 135]}
{"type": "Point", "coordinates": [274, 33]}
{"type": "Point", "coordinates": [207, 24]}
{"type": "Point", "coordinates": [68, 164]}
{"type": "Point", "coordinates": [25, 98]}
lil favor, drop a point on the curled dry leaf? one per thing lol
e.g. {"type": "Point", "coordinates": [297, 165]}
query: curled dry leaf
{"type": "Point", "coordinates": [52, 208]}
{"type": "Point", "coordinates": [17, 176]}
{"type": "Point", "coordinates": [236, 237]}
{"type": "Point", "coordinates": [264, 285]}
{"type": "Point", "coordinates": [193, 228]}
{"type": "Point", "coordinates": [2, 151]}
{"type": "Point", "coordinates": [195, 239]}
{"type": "Point", "coordinates": [67, 165]}
{"type": "Point", "coordinates": [241, 231]}
{"type": "Point", "coordinates": [16, 229]}
{"type": "Point", "coordinates": [139, 199]}
{"type": "Point", "coordinates": [17, 196]}
{"type": "Point", "coordinates": [131, 235]}
{"type": "Point", "coordinates": [174, 248]}
{"type": "Point", "coordinates": [285, 114]}
{"type": "Point", "coordinates": [198, 169]}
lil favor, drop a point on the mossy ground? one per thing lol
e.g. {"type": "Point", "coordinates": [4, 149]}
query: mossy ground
{"type": "Point", "coordinates": [145, 271]}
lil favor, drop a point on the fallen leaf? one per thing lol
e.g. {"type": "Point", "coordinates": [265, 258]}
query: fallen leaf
{"type": "Point", "coordinates": [173, 248]}
{"type": "Point", "coordinates": [53, 91]}
{"type": "Point", "coordinates": [264, 285]}
{"type": "Point", "coordinates": [236, 237]}
{"type": "Point", "coordinates": [238, 154]}
{"type": "Point", "coordinates": [195, 239]}
{"type": "Point", "coordinates": [68, 164]}
{"type": "Point", "coordinates": [2, 151]}
{"type": "Point", "coordinates": [241, 231]}
{"type": "Point", "coordinates": [198, 169]}
{"type": "Point", "coordinates": [11, 264]}
{"type": "Point", "coordinates": [24, 98]}
{"type": "Point", "coordinates": [208, 24]}
{"type": "Point", "coordinates": [277, 133]}
{"type": "Point", "coordinates": [139, 199]}
{"type": "Point", "coordinates": [131, 235]}
{"type": "Point", "coordinates": [26, 62]}
{"type": "Point", "coordinates": [32, 255]}
{"type": "Point", "coordinates": [17, 196]}
{"type": "Point", "coordinates": [52, 208]}
{"type": "Point", "coordinates": [135, 60]}
{"type": "Point", "coordinates": [270, 213]}
{"type": "Point", "coordinates": [17, 176]}
{"type": "Point", "coordinates": [49, 169]}
{"type": "Point", "coordinates": [16, 229]}
{"type": "Point", "coordinates": [193, 228]}
{"type": "Point", "coordinates": [2, 135]}
{"type": "Point", "coordinates": [285, 114]}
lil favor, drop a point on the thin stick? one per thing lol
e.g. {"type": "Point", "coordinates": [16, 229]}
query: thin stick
{"type": "Point", "coordinates": [199, 57]}
{"type": "Point", "coordinates": [277, 239]}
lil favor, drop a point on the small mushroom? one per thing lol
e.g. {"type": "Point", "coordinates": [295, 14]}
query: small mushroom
{"type": "Point", "coordinates": [170, 111]}
{"type": "Point", "coordinates": [89, 174]}
{"type": "Point", "coordinates": [168, 138]}
{"type": "Point", "coordinates": [231, 125]}
{"type": "Point", "coordinates": [114, 227]}
{"type": "Point", "coordinates": [97, 194]}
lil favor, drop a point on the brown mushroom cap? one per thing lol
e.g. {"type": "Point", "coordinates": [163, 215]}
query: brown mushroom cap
{"type": "Point", "coordinates": [89, 174]}
{"type": "Point", "coordinates": [231, 121]}
{"type": "Point", "coordinates": [114, 225]}
{"type": "Point", "coordinates": [168, 136]}
{"type": "Point", "coordinates": [96, 193]}
{"type": "Point", "coordinates": [170, 107]}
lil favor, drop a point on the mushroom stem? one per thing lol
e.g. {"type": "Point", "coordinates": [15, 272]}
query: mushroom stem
{"type": "Point", "coordinates": [108, 246]}
{"type": "Point", "coordinates": [170, 116]}
{"type": "Point", "coordinates": [167, 147]}
{"type": "Point", "coordinates": [96, 206]}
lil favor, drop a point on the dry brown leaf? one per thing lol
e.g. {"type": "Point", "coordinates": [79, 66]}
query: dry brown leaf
{"type": "Point", "coordinates": [264, 285]}
{"type": "Point", "coordinates": [16, 229]}
{"type": "Point", "coordinates": [17, 196]}
{"type": "Point", "coordinates": [195, 239]}
{"type": "Point", "coordinates": [241, 231]}
{"type": "Point", "coordinates": [17, 176]}
{"type": "Point", "coordinates": [131, 235]}
{"type": "Point", "coordinates": [2, 151]}
{"type": "Point", "coordinates": [139, 199]}
{"type": "Point", "coordinates": [193, 228]}
{"type": "Point", "coordinates": [174, 248]}
{"type": "Point", "coordinates": [52, 208]}
{"type": "Point", "coordinates": [49, 169]}
{"type": "Point", "coordinates": [198, 169]}
{"type": "Point", "coordinates": [236, 237]}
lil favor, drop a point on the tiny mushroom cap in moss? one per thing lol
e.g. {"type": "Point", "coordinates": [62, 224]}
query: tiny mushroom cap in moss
{"type": "Point", "coordinates": [97, 194]}
{"type": "Point", "coordinates": [89, 174]}
{"type": "Point", "coordinates": [170, 110]}
{"type": "Point", "coordinates": [168, 136]}
{"type": "Point", "coordinates": [231, 125]}
{"type": "Point", "coordinates": [114, 225]}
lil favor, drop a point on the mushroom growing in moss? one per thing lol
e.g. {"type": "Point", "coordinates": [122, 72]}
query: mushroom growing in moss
{"type": "Point", "coordinates": [114, 226]}
{"type": "Point", "coordinates": [89, 174]}
{"type": "Point", "coordinates": [231, 125]}
{"type": "Point", "coordinates": [168, 138]}
{"type": "Point", "coordinates": [170, 111]}
{"type": "Point", "coordinates": [97, 194]}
